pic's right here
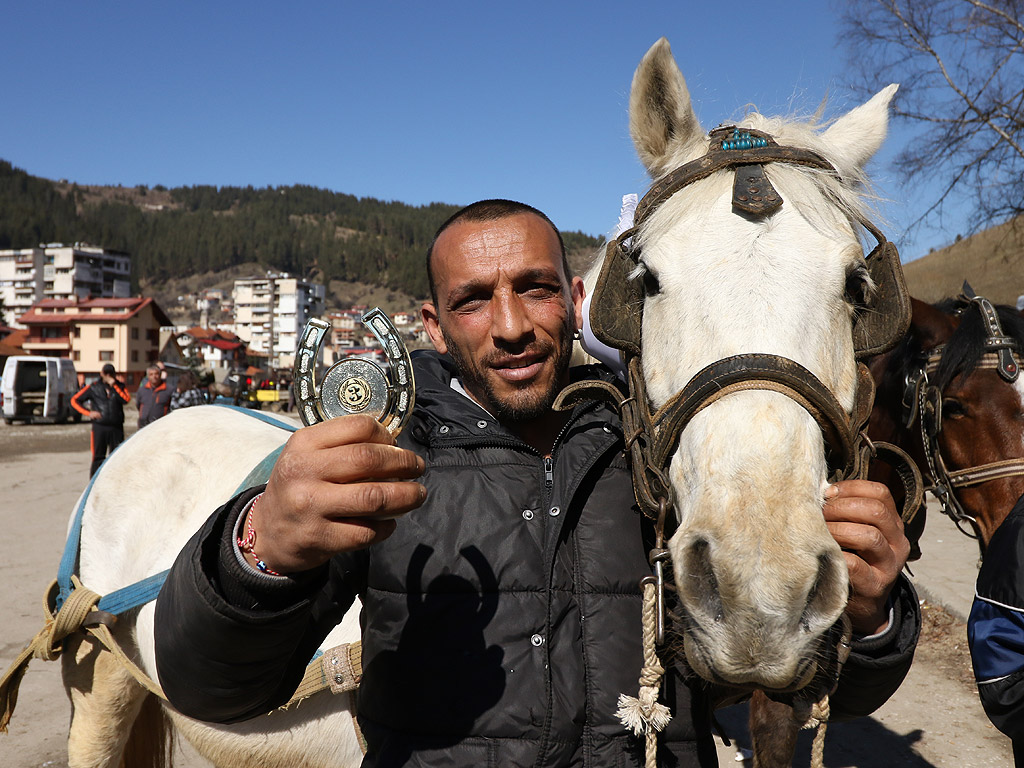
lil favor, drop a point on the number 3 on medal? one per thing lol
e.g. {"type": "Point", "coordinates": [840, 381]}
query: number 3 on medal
{"type": "Point", "coordinates": [355, 385]}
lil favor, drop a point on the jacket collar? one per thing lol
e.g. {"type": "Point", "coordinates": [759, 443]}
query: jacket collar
{"type": "Point", "coordinates": [446, 414]}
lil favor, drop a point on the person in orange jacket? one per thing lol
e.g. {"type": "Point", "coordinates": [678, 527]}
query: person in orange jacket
{"type": "Point", "coordinates": [102, 402]}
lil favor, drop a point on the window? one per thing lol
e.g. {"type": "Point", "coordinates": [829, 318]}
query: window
{"type": "Point", "coordinates": [135, 332]}
{"type": "Point", "coordinates": [135, 355]}
{"type": "Point", "coordinates": [76, 355]}
{"type": "Point", "coordinates": [106, 332]}
{"type": "Point", "coordinates": [106, 356]}
{"type": "Point", "coordinates": [76, 332]}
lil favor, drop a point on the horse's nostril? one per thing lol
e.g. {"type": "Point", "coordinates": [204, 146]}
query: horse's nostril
{"type": "Point", "coordinates": [825, 593]}
{"type": "Point", "coordinates": [703, 582]}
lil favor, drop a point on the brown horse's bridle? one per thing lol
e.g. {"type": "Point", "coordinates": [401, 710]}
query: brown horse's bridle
{"type": "Point", "coordinates": [922, 401]}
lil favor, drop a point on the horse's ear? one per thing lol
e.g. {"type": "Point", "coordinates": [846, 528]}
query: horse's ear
{"type": "Point", "coordinates": [928, 325]}
{"type": "Point", "coordinates": [662, 122]}
{"type": "Point", "coordinates": [857, 135]}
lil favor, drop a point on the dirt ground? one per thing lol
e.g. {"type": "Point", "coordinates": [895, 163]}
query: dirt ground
{"type": "Point", "coordinates": [933, 720]}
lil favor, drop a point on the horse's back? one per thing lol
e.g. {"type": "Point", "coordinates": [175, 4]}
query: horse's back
{"type": "Point", "coordinates": [148, 499]}
{"type": "Point", "coordinates": [158, 488]}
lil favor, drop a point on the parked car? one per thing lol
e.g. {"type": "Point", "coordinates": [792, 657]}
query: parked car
{"type": "Point", "coordinates": [35, 388]}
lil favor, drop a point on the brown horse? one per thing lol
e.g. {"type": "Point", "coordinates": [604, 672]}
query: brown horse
{"type": "Point", "coordinates": [950, 395]}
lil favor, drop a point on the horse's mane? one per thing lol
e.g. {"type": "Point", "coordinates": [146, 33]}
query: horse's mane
{"type": "Point", "coordinates": [848, 193]}
{"type": "Point", "coordinates": [963, 350]}
{"type": "Point", "coordinates": [965, 347]}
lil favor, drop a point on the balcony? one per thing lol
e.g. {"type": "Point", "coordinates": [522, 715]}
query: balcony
{"type": "Point", "coordinates": [60, 347]}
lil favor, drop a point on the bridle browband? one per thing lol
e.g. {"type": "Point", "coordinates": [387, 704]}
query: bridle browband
{"type": "Point", "coordinates": [922, 401]}
{"type": "Point", "coordinates": [616, 318]}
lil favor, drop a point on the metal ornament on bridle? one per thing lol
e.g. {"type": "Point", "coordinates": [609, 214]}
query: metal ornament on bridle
{"type": "Point", "coordinates": [923, 402]}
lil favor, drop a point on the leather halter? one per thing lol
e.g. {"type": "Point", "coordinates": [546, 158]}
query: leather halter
{"type": "Point", "coordinates": [923, 401]}
{"type": "Point", "coordinates": [616, 317]}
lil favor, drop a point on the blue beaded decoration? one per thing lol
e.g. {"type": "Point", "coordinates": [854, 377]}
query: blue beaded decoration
{"type": "Point", "coordinates": [743, 140]}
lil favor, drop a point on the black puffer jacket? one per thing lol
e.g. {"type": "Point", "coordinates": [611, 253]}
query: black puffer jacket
{"type": "Point", "coordinates": [108, 400]}
{"type": "Point", "coordinates": [501, 620]}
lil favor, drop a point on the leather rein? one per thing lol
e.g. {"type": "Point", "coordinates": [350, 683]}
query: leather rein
{"type": "Point", "coordinates": [922, 401]}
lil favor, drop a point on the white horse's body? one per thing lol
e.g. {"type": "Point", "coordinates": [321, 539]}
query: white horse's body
{"type": "Point", "coordinates": [152, 495]}
{"type": "Point", "coordinates": [758, 574]}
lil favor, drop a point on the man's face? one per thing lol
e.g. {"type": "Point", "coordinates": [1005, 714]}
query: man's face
{"type": "Point", "coordinates": [153, 374]}
{"type": "Point", "coordinates": [506, 312]}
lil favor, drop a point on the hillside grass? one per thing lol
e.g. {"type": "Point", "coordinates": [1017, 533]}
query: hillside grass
{"type": "Point", "coordinates": [991, 261]}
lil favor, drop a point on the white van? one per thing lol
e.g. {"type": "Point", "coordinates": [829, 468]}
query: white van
{"type": "Point", "coordinates": [38, 388]}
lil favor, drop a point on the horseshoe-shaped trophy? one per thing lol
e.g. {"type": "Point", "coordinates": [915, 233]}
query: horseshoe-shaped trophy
{"type": "Point", "coordinates": [354, 384]}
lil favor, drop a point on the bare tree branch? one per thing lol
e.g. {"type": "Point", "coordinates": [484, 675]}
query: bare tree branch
{"type": "Point", "coordinates": [961, 68]}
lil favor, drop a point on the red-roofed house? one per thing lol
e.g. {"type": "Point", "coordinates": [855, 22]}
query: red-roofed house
{"type": "Point", "coordinates": [93, 332]}
{"type": "Point", "coordinates": [220, 351]}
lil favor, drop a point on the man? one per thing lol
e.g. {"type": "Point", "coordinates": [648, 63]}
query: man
{"type": "Point", "coordinates": [102, 402]}
{"type": "Point", "coordinates": [153, 398]}
{"type": "Point", "coordinates": [501, 619]}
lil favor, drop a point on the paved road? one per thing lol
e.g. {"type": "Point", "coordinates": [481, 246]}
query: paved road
{"type": "Point", "coordinates": [933, 720]}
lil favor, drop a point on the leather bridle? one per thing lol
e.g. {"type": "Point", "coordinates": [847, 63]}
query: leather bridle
{"type": "Point", "coordinates": [616, 318]}
{"type": "Point", "coordinates": [922, 402]}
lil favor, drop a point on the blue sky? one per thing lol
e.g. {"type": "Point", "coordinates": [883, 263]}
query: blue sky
{"type": "Point", "coordinates": [418, 102]}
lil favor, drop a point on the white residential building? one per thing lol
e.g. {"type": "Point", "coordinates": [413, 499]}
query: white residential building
{"type": "Point", "coordinates": [57, 271]}
{"type": "Point", "coordinates": [271, 311]}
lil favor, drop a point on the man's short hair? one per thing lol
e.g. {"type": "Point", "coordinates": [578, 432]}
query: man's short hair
{"type": "Point", "coordinates": [109, 369]}
{"type": "Point", "coordinates": [490, 210]}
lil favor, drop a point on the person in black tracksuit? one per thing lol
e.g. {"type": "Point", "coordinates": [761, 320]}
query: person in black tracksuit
{"type": "Point", "coordinates": [102, 402]}
{"type": "Point", "coordinates": [501, 619]}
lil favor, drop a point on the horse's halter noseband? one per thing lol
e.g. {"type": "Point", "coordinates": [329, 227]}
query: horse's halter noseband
{"type": "Point", "coordinates": [616, 318]}
{"type": "Point", "coordinates": [922, 402]}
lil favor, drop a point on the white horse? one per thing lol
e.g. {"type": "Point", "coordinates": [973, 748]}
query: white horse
{"type": "Point", "coordinates": [151, 496]}
{"type": "Point", "coordinates": [758, 575]}
{"type": "Point", "coordinates": [751, 463]}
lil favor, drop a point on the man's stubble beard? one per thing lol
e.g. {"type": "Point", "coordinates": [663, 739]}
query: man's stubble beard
{"type": "Point", "coordinates": [523, 405]}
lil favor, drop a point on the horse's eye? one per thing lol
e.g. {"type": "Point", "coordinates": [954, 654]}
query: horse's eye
{"type": "Point", "coordinates": [651, 285]}
{"type": "Point", "coordinates": [953, 408]}
{"type": "Point", "coordinates": [856, 290]}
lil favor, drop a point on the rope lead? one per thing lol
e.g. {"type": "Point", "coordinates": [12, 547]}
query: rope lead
{"type": "Point", "coordinates": [643, 714]}
{"type": "Point", "coordinates": [818, 719]}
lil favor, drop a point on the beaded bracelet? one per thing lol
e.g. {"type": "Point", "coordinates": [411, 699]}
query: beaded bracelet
{"type": "Point", "coordinates": [248, 544]}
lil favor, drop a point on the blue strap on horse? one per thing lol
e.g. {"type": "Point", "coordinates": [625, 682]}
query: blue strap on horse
{"type": "Point", "coordinates": [142, 592]}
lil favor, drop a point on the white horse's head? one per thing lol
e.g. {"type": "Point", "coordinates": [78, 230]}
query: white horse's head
{"type": "Point", "coordinates": [759, 578]}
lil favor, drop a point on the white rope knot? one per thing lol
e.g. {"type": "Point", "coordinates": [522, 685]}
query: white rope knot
{"type": "Point", "coordinates": [816, 717]}
{"type": "Point", "coordinates": [819, 713]}
{"type": "Point", "coordinates": [643, 714]}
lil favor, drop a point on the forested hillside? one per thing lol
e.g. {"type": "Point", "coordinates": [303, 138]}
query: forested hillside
{"type": "Point", "coordinates": [189, 230]}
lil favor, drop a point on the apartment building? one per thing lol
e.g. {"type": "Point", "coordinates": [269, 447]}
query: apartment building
{"type": "Point", "coordinates": [271, 311]}
{"type": "Point", "coordinates": [58, 271]}
{"type": "Point", "coordinates": [93, 332]}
